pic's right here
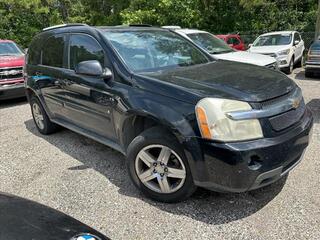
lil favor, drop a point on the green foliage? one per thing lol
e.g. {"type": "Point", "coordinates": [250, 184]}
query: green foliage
{"type": "Point", "coordinates": [20, 20]}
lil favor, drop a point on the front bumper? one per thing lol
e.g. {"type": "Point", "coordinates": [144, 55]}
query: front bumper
{"type": "Point", "coordinates": [283, 61]}
{"type": "Point", "coordinates": [243, 166]}
{"type": "Point", "coordinates": [12, 91]}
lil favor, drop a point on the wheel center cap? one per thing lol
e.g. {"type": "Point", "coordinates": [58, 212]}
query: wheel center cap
{"type": "Point", "coordinates": [159, 169]}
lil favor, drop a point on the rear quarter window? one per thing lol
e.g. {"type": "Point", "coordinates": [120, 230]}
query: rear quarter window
{"type": "Point", "coordinates": [34, 52]}
{"type": "Point", "coordinates": [52, 52]}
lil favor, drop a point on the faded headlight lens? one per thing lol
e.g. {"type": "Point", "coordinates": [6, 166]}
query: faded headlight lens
{"type": "Point", "coordinates": [214, 123]}
{"type": "Point", "coordinates": [284, 52]}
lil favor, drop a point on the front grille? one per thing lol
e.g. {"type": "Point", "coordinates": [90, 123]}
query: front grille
{"type": "Point", "coordinates": [287, 119]}
{"type": "Point", "coordinates": [296, 93]}
{"type": "Point", "coordinates": [11, 76]}
{"type": "Point", "coordinates": [272, 66]}
{"type": "Point", "coordinates": [10, 73]}
{"type": "Point", "coordinates": [314, 58]}
{"type": "Point", "coordinates": [314, 52]}
{"type": "Point", "coordinates": [270, 54]}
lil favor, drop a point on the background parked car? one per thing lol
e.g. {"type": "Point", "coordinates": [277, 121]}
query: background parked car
{"type": "Point", "coordinates": [11, 70]}
{"type": "Point", "coordinates": [313, 59]}
{"type": "Point", "coordinates": [286, 46]}
{"type": "Point", "coordinates": [220, 50]}
{"type": "Point", "coordinates": [234, 41]}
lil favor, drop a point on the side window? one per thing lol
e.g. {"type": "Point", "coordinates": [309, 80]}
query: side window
{"type": "Point", "coordinates": [52, 53]}
{"type": "Point", "coordinates": [233, 40]}
{"type": "Point", "coordinates": [229, 41]}
{"type": "Point", "coordinates": [84, 48]}
{"type": "Point", "coordinates": [297, 37]}
{"type": "Point", "coordinates": [34, 53]}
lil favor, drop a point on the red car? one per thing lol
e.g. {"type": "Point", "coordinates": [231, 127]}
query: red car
{"type": "Point", "coordinates": [11, 70]}
{"type": "Point", "coordinates": [234, 41]}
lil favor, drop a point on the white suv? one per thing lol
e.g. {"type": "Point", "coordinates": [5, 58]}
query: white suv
{"type": "Point", "coordinates": [220, 50]}
{"type": "Point", "coordinates": [287, 47]}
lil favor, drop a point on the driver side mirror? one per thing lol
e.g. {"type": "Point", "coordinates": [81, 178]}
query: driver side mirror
{"type": "Point", "coordinates": [296, 42]}
{"type": "Point", "coordinates": [93, 68]}
{"type": "Point", "coordinates": [250, 45]}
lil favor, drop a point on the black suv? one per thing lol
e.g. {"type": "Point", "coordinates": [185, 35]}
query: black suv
{"type": "Point", "coordinates": [182, 118]}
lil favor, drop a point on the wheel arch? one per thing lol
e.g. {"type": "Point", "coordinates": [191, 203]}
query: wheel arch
{"type": "Point", "coordinates": [137, 122]}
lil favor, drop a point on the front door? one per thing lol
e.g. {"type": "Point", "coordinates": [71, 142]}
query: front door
{"type": "Point", "coordinates": [89, 99]}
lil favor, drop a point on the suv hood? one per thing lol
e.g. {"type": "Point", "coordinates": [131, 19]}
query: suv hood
{"type": "Point", "coordinates": [11, 61]}
{"type": "Point", "coordinates": [268, 49]}
{"type": "Point", "coordinates": [246, 57]}
{"type": "Point", "coordinates": [221, 79]}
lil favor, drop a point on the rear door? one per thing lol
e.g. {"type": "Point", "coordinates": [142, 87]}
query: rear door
{"type": "Point", "coordinates": [89, 100]}
{"type": "Point", "coordinates": [49, 74]}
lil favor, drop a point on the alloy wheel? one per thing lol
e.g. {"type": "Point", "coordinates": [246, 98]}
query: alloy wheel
{"type": "Point", "coordinates": [160, 169]}
{"type": "Point", "coordinates": [38, 116]}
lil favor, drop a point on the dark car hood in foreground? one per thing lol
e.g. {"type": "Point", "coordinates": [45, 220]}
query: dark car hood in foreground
{"type": "Point", "coordinates": [223, 79]}
{"type": "Point", "coordinates": [21, 219]}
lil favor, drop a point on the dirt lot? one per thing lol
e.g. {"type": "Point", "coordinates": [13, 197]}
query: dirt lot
{"type": "Point", "coordinates": [88, 181]}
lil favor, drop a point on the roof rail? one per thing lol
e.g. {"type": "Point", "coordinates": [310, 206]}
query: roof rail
{"type": "Point", "coordinates": [171, 27]}
{"type": "Point", "coordinates": [140, 25]}
{"type": "Point", "coordinates": [64, 25]}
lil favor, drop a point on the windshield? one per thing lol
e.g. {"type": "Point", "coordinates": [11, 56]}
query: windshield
{"type": "Point", "coordinates": [273, 40]}
{"type": "Point", "coordinates": [150, 50]}
{"type": "Point", "coordinates": [315, 46]}
{"type": "Point", "coordinates": [210, 43]}
{"type": "Point", "coordinates": [9, 48]}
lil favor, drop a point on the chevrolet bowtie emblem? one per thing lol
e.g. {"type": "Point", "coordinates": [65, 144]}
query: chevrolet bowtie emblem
{"type": "Point", "coordinates": [296, 103]}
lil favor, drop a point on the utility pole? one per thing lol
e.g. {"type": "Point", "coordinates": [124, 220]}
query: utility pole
{"type": "Point", "coordinates": [317, 33]}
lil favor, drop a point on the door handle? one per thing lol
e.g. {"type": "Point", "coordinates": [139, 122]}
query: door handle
{"type": "Point", "coordinates": [39, 74]}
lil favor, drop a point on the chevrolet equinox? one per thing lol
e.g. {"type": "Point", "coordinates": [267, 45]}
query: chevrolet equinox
{"type": "Point", "coordinates": [182, 118]}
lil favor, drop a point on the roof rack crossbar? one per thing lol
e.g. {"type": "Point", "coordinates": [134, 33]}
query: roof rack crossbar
{"type": "Point", "coordinates": [64, 25]}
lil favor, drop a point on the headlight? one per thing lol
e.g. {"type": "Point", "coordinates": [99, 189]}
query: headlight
{"type": "Point", "coordinates": [214, 123]}
{"type": "Point", "coordinates": [284, 52]}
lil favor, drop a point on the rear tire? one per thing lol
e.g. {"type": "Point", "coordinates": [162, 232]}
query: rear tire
{"type": "Point", "coordinates": [158, 166]}
{"type": "Point", "coordinates": [41, 119]}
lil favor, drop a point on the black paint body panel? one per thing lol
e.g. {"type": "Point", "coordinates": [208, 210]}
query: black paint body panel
{"type": "Point", "coordinates": [22, 219]}
{"type": "Point", "coordinates": [106, 108]}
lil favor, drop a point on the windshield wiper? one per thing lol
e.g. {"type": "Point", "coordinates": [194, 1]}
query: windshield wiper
{"type": "Point", "coordinates": [219, 52]}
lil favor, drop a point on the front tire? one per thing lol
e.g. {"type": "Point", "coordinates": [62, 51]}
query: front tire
{"type": "Point", "coordinates": [41, 119]}
{"type": "Point", "coordinates": [289, 69]}
{"type": "Point", "coordinates": [158, 167]}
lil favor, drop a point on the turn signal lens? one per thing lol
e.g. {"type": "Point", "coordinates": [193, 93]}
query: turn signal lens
{"type": "Point", "coordinates": [203, 123]}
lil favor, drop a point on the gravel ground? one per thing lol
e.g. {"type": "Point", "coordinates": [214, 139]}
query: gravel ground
{"type": "Point", "coordinates": [88, 181]}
